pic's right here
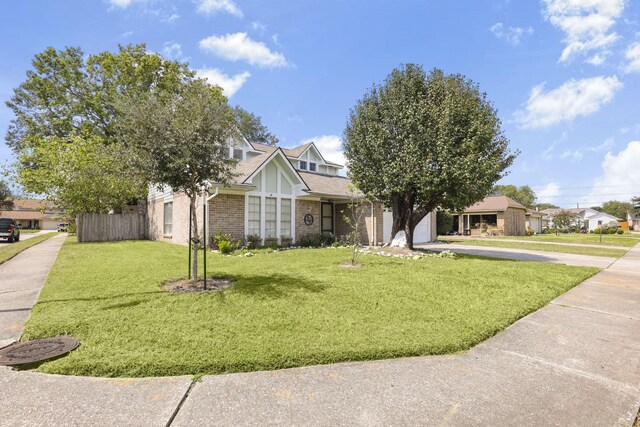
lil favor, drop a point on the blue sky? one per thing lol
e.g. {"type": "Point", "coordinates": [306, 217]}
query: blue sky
{"type": "Point", "coordinates": [564, 74]}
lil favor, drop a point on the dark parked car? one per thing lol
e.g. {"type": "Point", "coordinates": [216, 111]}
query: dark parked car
{"type": "Point", "coordinates": [9, 230]}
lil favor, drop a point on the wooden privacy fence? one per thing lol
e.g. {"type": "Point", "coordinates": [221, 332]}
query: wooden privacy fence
{"type": "Point", "coordinates": [92, 227]}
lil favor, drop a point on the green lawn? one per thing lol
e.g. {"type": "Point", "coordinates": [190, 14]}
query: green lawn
{"type": "Point", "coordinates": [287, 309]}
{"type": "Point", "coordinates": [580, 250]}
{"type": "Point", "coordinates": [9, 250]}
{"type": "Point", "coordinates": [29, 230]}
{"type": "Point", "coordinates": [624, 240]}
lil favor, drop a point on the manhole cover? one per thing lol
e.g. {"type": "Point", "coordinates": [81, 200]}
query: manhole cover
{"type": "Point", "coordinates": [37, 350]}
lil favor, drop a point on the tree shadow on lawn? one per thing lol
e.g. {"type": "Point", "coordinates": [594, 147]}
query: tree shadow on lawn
{"type": "Point", "coordinates": [272, 286]}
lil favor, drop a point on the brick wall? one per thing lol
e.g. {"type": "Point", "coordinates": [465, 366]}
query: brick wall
{"type": "Point", "coordinates": [304, 207]}
{"type": "Point", "coordinates": [226, 214]}
{"type": "Point", "coordinates": [180, 234]}
{"type": "Point", "coordinates": [367, 226]}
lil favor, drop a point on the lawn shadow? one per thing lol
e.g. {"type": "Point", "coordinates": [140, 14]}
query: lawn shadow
{"type": "Point", "coordinates": [275, 285]}
{"type": "Point", "coordinates": [107, 298]}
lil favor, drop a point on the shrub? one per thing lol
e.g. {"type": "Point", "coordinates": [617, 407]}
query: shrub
{"type": "Point", "coordinates": [223, 243]}
{"type": "Point", "coordinates": [620, 231]}
{"type": "Point", "coordinates": [612, 231]}
{"type": "Point", "coordinates": [530, 231]}
{"type": "Point", "coordinates": [253, 241]}
{"type": "Point", "coordinates": [316, 240]}
{"type": "Point", "coordinates": [444, 222]}
{"type": "Point", "coordinates": [596, 231]}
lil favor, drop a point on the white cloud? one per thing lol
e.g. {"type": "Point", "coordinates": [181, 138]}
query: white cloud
{"type": "Point", "coordinates": [240, 47]}
{"type": "Point", "coordinates": [258, 27]}
{"type": "Point", "coordinates": [172, 50]}
{"type": "Point", "coordinates": [587, 25]}
{"type": "Point", "coordinates": [606, 145]}
{"type": "Point", "coordinates": [126, 34]}
{"type": "Point", "coordinates": [213, 6]}
{"type": "Point", "coordinates": [229, 85]}
{"type": "Point", "coordinates": [549, 193]}
{"type": "Point", "coordinates": [575, 156]}
{"type": "Point", "coordinates": [574, 98]}
{"type": "Point", "coordinates": [330, 147]}
{"type": "Point", "coordinates": [121, 3]}
{"type": "Point", "coordinates": [171, 18]}
{"type": "Point", "coordinates": [512, 35]}
{"type": "Point", "coordinates": [620, 175]}
{"type": "Point", "coordinates": [633, 56]}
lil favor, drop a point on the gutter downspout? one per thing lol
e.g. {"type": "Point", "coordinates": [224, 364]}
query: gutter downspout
{"type": "Point", "coordinates": [206, 226]}
{"type": "Point", "coordinates": [373, 226]}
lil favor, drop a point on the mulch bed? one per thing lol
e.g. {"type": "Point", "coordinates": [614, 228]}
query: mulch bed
{"type": "Point", "coordinates": [214, 284]}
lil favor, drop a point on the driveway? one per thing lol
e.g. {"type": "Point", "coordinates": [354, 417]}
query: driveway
{"type": "Point", "coordinates": [523, 254]}
{"type": "Point", "coordinates": [575, 362]}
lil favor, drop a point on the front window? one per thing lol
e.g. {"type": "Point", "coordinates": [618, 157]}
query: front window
{"type": "Point", "coordinates": [168, 218]}
{"type": "Point", "coordinates": [285, 217]}
{"type": "Point", "coordinates": [254, 216]}
{"type": "Point", "coordinates": [237, 154]}
{"type": "Point", "coordinates": [312, 167]}
{"type": "Point", "coordinates": [303, 165]}
{"type": "Point", "coordinates": [270, 217]}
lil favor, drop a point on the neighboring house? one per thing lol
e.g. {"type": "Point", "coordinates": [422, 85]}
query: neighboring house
{"type": "Point", "coordinates": [34, 213]}
{"type": "Point", "coordinates": [587, 218]}
{"type": "Point", "coordinates": [633, 220]}
{"type": "Point", "coordinates": [500, 214]}
{"type": "Point", "coordinates": [534, 220]}
{"type": "Point", "coordinates": [277, 194]}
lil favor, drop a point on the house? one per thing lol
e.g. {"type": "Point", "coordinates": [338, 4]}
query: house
{"type": "Point", "coordinates": [501, 214]}
{"type": "Point", "coordinates": [586, 218]}
{"type": "Point", "coordinates": [277, 195]}
{"type": "Point", "coordinates": [534, 221]}
{"type": "Point", "coordinates": [35, 214]}
{"type": "Point", "coordinates": [633, 220]}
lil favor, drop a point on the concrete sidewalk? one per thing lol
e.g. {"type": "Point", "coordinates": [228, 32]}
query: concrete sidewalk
{"type": "Point", "coordinates": [575, 362]}
{"type": "Point", "coordinates": [522, 254]}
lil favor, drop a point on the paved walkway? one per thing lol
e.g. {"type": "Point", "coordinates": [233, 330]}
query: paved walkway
{"type": "Point", "coordinates": [461, 239]}
{"type": "Point", "coordinates": [575, 362]}
{"type": "Point", "coordinates": [523, 254]}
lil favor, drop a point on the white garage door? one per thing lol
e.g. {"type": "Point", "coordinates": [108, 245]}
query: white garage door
{"type": "Point", "coordinates": [421, 234]}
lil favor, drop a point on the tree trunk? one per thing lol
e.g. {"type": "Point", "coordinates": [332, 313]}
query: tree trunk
{"type": "Point", "coordinates": [194, 237]}
{"type": "Point", "coordinates": [401, 212]}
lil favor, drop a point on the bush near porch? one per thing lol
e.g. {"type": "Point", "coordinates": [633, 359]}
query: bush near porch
{"type": "Point", "coordinates": [287, 308]}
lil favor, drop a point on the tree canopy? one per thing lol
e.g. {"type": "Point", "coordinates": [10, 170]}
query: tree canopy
{"type": "Point", "coordinates": [563, 220]}
{"type": "Point", "coordinates": [6, 198]}
{"type": "Point", "coordinates": [251, 127]}
{"type": "Point", "coordinates": [68, 133]}
{"type": "Point", "coordinates": [523, 195]}
{"type": "Point", "coordinates": [420, 141]}
{"type": "Point", "coordinates": [617, 208]}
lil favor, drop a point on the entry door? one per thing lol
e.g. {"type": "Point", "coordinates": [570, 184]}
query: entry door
{"type": "Point", "coordinates": [326, 214]}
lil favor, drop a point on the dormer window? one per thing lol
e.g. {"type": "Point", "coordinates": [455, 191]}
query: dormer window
{"type": "Point", "coordinates": [312, 167]}
{"type": "Point", "coordinates": [237, 153]}
{"type": "Point", "coordinates": [303, 165]}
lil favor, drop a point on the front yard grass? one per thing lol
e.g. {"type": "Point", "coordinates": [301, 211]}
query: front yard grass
{"type": "Point", "coordinates": [9, 250]}
{"type": "Point", "coordinates": [286, 309]}
{"type": "Point", "coordinates": [579, 250]}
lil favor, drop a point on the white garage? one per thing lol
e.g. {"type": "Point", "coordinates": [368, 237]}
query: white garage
{"type": "Point", "coordinates": [425, 231]}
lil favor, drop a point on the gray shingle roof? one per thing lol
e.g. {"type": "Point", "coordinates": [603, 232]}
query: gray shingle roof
{"type": "Point", "coordinates": [494, 203]}
{"type": "Point", "coordinates": [328, 185]}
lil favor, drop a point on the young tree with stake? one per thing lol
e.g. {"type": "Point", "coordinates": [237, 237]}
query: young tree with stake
{"type": "Point", "coordinates": [185, 141]}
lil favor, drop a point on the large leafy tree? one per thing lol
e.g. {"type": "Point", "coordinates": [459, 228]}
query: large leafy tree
{"type": "Point", "coordinates": [524, 194]}
{"type": "Point", "coordinates": [6, 198]}
{"type": "Point", "coordinates": [636, 203]}
{"type": "Point", "coordinates": [251, 127]}
{"type": "Point", "coordinates": [185, 140]}
{"type": "Point", "coordinates": [72, 98]}
{"type": "Point", "coordinates": [617, 208]}
{"type": "Point", "coordinates": [418, 141]}
{"type": "Point", "coordinates": [563, 220]}
{"type": "Point", "coordinates": [83, 174]}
